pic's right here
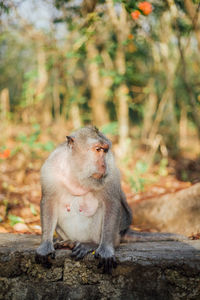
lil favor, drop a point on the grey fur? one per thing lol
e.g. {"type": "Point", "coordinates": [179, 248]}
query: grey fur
{"type": "Point", "coordinates": [112, 217]}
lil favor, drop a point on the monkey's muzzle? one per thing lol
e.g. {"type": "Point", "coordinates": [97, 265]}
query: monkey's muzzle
{"type": "Point", "coordinates": [98, 175]}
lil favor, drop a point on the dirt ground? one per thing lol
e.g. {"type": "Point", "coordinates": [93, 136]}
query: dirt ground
{"type": "Point", "coordinates": [23, 149]}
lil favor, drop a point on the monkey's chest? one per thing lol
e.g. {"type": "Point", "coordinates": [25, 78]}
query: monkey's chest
{"type": "Point", "coordinates": [81, 205]}
{"type": "Point", "coordinates": [80, 218]}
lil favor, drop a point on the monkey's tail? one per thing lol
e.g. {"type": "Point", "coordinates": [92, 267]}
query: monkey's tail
{"type": "Point", "coordinates": [135, 236]}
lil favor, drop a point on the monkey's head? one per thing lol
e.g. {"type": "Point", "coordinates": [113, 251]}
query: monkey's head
{"type": "Point", "coordinates": [90, 156]}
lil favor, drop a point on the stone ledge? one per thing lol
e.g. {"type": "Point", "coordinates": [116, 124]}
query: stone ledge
{"type": "Point", "coordinates": [146, 270]}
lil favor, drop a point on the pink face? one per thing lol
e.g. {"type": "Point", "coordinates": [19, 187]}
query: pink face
{"type": "Point", "coordinates": [100, 151]}
{"type": "Point", "coordinates": [89, 159]}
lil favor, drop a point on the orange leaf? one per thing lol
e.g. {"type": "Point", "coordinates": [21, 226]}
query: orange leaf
{"type": "Point", "coordinates": [6, 153]}
{"type": "Point", "coordinates": [145, 7]}
{"type": "Point", "coordinates": [135, 14]}
{"type": "Point", "coordinates": [130, 36]}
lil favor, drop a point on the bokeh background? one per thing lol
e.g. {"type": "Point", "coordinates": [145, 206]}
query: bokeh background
{"type": "Point", "coordinates": [131, 68]}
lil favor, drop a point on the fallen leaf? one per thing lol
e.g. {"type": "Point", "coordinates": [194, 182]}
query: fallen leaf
{"type": "Point", "coordinates": [21, 227]}
{"type": "Point", "coordinates": [3, 230]}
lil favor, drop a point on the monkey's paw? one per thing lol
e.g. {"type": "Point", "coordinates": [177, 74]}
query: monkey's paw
{"type": "Point", "coordinates": [106, 257]}
{"type": "Point", "coordinates": [81, 249]}
{"type": "Point", "coordinates": [44, 253]}
{"type": "Point", "coordinates": [64, 245]}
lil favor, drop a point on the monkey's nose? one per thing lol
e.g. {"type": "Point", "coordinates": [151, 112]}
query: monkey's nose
{"type": "Point", "coordinates": [102, 169]}
{"type": "Point", "coordinates": [101, 172]}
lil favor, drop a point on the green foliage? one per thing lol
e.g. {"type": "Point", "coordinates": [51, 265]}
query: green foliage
{"type": "Point", "coordinates": [32, 142]}
{"type": "Point", "coordinates": [136, 181]}
{"type": "Point", "coordinates": [4, 6]}
{"type": "Point", "coordinates": [184, 175]}
{"type": "Point", "coordinates": [162, 171]}
{"type": "Point", "coordinates": [14, 219]}
{"type": "Point", "coordinates": [28, 88]}
{"type": "Point", "coordinates": [33, 210]}
{"type": "Point", "coordinates": [130, 5]}
{"type": "Point", "coordinates": [111, 128]}
{"type": "Point", "coordinates": [183, 26]}
{"type": "Point", "coordinates": [29, 140]}
{"type": "Point", "coordinates": [72, 54]}
{"type": "Point", "coordinates": [48, 146]}
{"type": "Point", "coordinates": [60, 3]}
{"type": "Point", "coordinates": [17, 64]}
{"type": "Point", "coordinates": [141, 167]}
{"type": "Point", "coordinates": [97, 59]}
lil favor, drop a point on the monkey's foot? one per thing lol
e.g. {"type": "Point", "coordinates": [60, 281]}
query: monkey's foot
{"type": "Point", "coordinates": [45, 261]}
{"type": "Point", "coordinates": [81, 249]}
{"type": "Point", "coordinates": [64, 245]}
{"type": "Point", "coordinates": [106, 258]}
{"type": "Point", "coordinates": [44, 253]}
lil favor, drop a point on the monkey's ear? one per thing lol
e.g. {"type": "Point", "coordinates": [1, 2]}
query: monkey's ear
{"type": "Point", "coordinates": [70, 140]}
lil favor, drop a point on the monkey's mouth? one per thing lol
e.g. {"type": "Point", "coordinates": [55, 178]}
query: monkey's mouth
{"type": "Point", "coordinates": [99, 175]}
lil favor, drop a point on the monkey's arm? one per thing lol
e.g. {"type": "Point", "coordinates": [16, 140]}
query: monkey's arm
{"type": "Point", "coordinates": [49, 221]}
{"type": "Point", "coordinates": [110, 231]}
{"type": "Point", "coordinates": [126, 215]}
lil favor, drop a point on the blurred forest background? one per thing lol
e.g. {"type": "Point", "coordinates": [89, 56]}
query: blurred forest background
{"type": "Point", "coordinates": [132, 68]}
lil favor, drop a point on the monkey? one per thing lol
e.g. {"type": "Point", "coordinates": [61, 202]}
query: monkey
{"type": "Point", "coordinates": [82, 199]}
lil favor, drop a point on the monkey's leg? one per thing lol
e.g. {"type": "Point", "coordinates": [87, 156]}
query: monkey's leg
{"type": "Point", "coordinates": [110, 228]}
{"type": "Point", "coordinates": [46, 250]}
{"type": "Point", "coordinates": [81, 249]}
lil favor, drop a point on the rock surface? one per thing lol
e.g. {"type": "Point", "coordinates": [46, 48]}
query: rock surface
{"type": "Point", "coordinates": [146, 270]}
{"type": "Point", "coordinates": [177, 212]}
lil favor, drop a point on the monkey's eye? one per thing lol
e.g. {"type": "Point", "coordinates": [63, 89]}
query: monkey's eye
{"type": "Point", "coordinates": [99, 149]}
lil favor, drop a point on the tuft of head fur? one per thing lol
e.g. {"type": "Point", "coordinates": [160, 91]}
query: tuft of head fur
{"type": "Point", "coordinates": [92, 132]}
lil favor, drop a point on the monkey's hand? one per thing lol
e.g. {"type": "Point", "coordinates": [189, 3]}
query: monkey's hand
{"type": "Point", "coordinates": [81, 249]}
{"type": "Point", "coordinates": [44, 253]}
{"type": "Point", "coordinates": [106, 257]}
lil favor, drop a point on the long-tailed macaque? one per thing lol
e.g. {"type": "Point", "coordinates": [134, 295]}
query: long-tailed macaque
{"type": "Point", "coordinates": [82, 198]}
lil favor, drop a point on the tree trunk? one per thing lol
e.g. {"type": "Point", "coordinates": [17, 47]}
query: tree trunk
{"type": "Point", "coordinates": [193, 12]}
{"type": "Point", "coordinates": [165, 109]}
{"type": "Point", "coordinates": [98, 85]}
{"type": "Point", "coordinates": [123, 118]}
{"type": "Point", "coordinates": [150, 110]}
{"type": "Point", "coordinates": [98, 90]}
{"type": "Point", "coordinates": [56, 97]}
{"type": "Point", "coordinates": [183, 126]}
{"type": "Point", "coordinates": [42, 73]}
{"type": "Point", "coordinates": [121, 29]}
{"type": "Point", "coordinates": [39, 95]}
{"type": "Point", "coordinates": [4, 104]}
{"type": "Point", "coordinates": [75, 116]}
